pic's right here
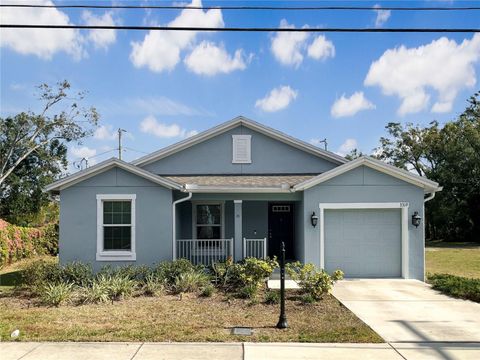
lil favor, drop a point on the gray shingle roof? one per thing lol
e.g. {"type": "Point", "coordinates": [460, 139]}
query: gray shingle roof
{"type": "Point", "coordinates": [241, 180]}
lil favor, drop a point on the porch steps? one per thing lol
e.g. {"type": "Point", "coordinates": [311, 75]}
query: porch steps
{"type": "Point", "coordinates": [289, 284]}
{"type": "Point", "coordinates": [274, 281]}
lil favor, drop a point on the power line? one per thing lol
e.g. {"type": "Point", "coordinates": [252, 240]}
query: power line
{"type": "Point", "coordinates": [244, 29]}
{"type": "Point", "coordinates": [94, 156]}
{"type": "Point", "coordinates": [135, 150]}
{"type": "Point", "coordinates": [253, 8]}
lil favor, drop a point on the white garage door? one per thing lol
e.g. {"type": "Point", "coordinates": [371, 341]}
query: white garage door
{"type": "Point", "coordinates": [364, 242]}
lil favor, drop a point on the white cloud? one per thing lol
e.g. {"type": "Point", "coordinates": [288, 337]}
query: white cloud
{"type": "Point", "coordinates": [160, 50]}
{"type": "Point", "coordinates": [100, 38]}
{"type": "Point", "coordinates": [382, 16]}
{"type": "Point", "coordinates": [287, 47]}
{"type": "Point", "coordinates": [347, 146]}
{"type": "Point", "coordinates": [209, 59]}
{"type": "Point", "coordinates": [83, 152]}
{"type": "Point", "coordinates": [321, 48]}
{"type": "Point", "coordinates": [150, 125]}
{"type": "Point", "coordinates": [43, 43]}
{"type": "Point", "coordinates": [349, 106]}
{"type": "Point", "coordinates": [105, 132]}
{"type": "Point", "coordinates": [443, 65]}
{"type": "Point", "coordinates": [278, 98]}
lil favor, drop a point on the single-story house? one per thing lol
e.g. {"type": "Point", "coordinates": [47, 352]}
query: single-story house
{"type": "Point", "coordinates": [240, 189]}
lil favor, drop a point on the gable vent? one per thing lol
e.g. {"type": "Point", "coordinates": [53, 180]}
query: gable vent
{"type": "Point", "coordinates": [242, 152]}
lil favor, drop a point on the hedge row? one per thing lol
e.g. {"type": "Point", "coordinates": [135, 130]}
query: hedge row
{"type": "Point", "coordinates": [18, 242]}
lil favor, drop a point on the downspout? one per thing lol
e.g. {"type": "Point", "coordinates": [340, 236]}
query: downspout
{"type": "Point", "coordinates": [428, 198]}
{"type": "Point", "coordinates": [174, 222]}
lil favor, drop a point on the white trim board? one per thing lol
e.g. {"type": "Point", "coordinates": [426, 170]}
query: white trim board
{"type": "Point", "coordinates": [107, 165]}
{"type": "Point", "coordinates": [239, 120]}
{"type": "Point", "coordinates": [426, 184]}
{"type": "Point", "coordinates": [387, 205]}
{"type": "Point", "coordinates": [103, 255]}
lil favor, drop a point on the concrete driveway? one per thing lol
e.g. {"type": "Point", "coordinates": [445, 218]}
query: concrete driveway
{"type": "Point", "coordinates": [416, 320]}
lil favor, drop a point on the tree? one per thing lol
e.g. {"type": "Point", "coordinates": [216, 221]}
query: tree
{"type": "Point", "coordinates": [449, 155]}
{"type": "Point", "coordinates": [33, 150]}
{"type": "Point", "coordinates": [28, 132]}
{"type": "Point", "coordinates": [354, 154]}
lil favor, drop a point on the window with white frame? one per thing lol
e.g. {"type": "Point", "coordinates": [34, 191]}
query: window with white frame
{"type": "Point", "coordinates": [116, 227]}
{"type": "Point", "coordinates": [242, 152]}
{"type": "Point", "coordinates": [208, 221]}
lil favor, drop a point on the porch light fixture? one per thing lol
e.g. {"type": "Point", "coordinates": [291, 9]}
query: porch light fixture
{"type": "Point", "coordinates": [416, 219]}
{"type": "Point", "coordinates": [314, 219]}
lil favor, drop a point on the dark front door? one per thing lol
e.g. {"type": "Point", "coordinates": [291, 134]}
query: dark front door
{"type": "Point", "coordinates": [281, 228]}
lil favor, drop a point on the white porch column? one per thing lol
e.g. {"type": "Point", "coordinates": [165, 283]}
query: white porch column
{"type": "Point", "coordinates": [238, 246]}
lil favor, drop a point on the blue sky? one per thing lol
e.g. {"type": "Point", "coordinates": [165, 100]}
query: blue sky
{"type": "Point", "coordinates": [162, 87]}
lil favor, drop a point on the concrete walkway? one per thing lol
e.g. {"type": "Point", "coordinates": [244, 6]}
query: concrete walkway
{"type": "Point", "coordinates": [233, 351]}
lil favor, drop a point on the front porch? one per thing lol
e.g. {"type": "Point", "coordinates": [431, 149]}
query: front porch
{"type": "Point", "coordinates": [213, 227]}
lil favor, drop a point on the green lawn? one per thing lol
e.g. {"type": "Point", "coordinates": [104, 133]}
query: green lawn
{"type": "Point", "coordinates": [453, 258]}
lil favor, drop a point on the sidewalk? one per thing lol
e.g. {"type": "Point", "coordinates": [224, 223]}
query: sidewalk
{"type": "Point", "coordinates": [235, 351]}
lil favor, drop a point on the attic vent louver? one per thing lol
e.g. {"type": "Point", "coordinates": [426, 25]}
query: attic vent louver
{"type": "Point", "coordinates": [242, 153]}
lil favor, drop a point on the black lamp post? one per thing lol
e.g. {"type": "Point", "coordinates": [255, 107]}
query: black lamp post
{"type": "Point", "coordinates": [282, 321]}
{"type": "Point", "coordinates": [416, 219]}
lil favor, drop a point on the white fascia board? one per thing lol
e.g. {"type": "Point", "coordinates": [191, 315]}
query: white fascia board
{"type": "Point", "coordinates": [240, 120]}
{"type": "Point", "coordinates": [427, 185]}
{"type": "Point", "coordinates": [107, 165]}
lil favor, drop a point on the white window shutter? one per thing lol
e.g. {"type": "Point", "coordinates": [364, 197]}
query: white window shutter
{"type": "Point", "coordinates": [242, 152]}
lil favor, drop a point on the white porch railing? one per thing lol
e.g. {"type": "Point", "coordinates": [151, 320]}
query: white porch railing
{"type": "Point", "coordinates": [256, 248]}
{"type": "Point", "coordinates": [205, 251]}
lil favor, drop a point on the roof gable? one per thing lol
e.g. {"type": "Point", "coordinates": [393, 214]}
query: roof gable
{"type": "Point", "coordinates": [426, 184]}
{"type": "Point", "coordinates": [105, 166]}
{"type": "Point", "coordinates": [240, 120]}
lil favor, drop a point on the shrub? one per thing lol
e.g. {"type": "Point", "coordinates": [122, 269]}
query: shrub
{"type": "Point", "coordinates": [208, 291]}
{"type": "Point", "coordinates": [169, 271]}
{"type": "Point", "coordinates": [76, 273]}
{"type": "Point", "coordinates": [308, 299]}
{"type": "Point", "coordinates": [54, 294]}
{"type": "Point", "coordinates": [456, 286]}
{"type": "Point", "coordinates": [96, 293]}
{"type": "Point", "coordinates": [153, 286]}
{"type": "Point", "coordinates": [248, 292]}
{"type": "Point", "coordinates": [118, 286]}
{"type": "Point", "coordinates": [39, 272]}
{"type": "Point", "coordinates": [191, 281]}
{"type": "Point", "coordinates": [133, 272]}
{"type": "Point", "coordinates": [18, 242]}
{"type": "Point", "coordinates": [312, 280]}
{"type": "Point", "coordinates": [272, 297]}
{"type": "Point", "coordinates": [251, 272]}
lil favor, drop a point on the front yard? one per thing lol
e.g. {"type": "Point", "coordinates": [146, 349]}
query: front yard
{"type": "Point", "coordinates": [177, 317]}
{"type": "Point", "coordinates": [166, 318]}
{"type": "Point", "coordinates": [461, 259]}
{"type": "Point", "coordinates": [454, 269]}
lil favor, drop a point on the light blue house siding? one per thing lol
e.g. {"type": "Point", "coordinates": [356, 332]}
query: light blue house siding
{"type": "Point", "coordinates": [214, 156]}
{"type": "Point", "coordinates": [247, 205]}
{"type": "Point", "coordinates": [365, 185]}
{"type": "Point", "coordinates": [78, 218]}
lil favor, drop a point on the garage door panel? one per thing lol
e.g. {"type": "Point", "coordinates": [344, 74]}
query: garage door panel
{"type": "Point", "coordinates": [363, 242]}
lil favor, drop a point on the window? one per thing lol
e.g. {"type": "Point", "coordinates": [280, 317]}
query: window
{"type": "Point", "coordinates": [116, 227]}
{"type": "Point", "coordinates": [208, 221]}
{"type": "Point", "coordinates": [242, 152]}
